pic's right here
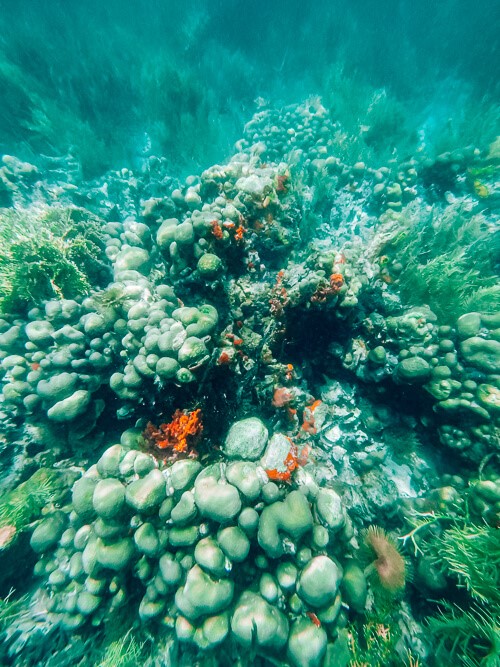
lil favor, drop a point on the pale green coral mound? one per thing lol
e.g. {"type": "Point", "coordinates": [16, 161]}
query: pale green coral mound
{"type": "Point", "coordinates": [194, 542]}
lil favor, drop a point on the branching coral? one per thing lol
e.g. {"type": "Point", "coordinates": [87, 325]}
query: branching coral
{"type": "Point", "coordinates": [402, 440]}
{"type": "Point", "coordinates": [281, 397]}
{"type": "Point", "coordinates": [279, 297]}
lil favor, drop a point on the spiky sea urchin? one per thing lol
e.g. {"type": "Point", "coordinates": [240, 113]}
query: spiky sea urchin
{"type": "Point", "coordinates": [389, 566]}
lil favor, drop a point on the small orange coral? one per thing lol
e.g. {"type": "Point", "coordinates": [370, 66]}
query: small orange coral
{"type": "Point", "coordinates": [292, 461]}
{"type": "Point", "coordinates": [238, 234]}
{"type": "Point", "coordinates": [180, 435]}
{"type": "Point", "coordinates": [224, 358]}
{"type": "Point", "coordinates": [308, 424]}
{"type": "Point", "coordinates": [281, 397]}
{"type": "Point", "coordinates": [324, 292]}
{"type": "Point", "coordinates": [389, 564]}
{"type": "Point", "coordinates": [216, 229]}
{"type": "Point", "coordinates": [314, 618]}
{"type": "Point", "coordinates": [336, 281]}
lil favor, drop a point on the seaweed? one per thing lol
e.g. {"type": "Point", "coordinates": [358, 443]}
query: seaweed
{"type": "Point", "coordinates": [468, 553]}
{"type": "Point", "coordinates": [474, 121]}
{"type": "Point", "coordinates": [23, 505]}
{"type": "Point", "coordinates": [126, 651]}
{"type": "Point", "coordinates": [447, 259]}
{"type": "Point", "coordinates": [376, 642]}
{"type": "Point", "coordinates": [470, 635]}
{"type": "Point", "coordinates": [376, 124]}
{"type": "Point", "coordinates": [49, 253]}
{"type": "Point", "coordinates": [11, 608]}
{"type": "Point", "coordinates": [472, 554]}
{"type": "Point", "coordinates": [484, 300]}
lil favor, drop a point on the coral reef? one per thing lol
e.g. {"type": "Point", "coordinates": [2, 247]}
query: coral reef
{"type": "Point", "coordinates": [328, 327]}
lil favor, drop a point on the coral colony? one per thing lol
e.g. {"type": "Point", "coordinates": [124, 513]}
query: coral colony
{"type": "Point", "coordinates": [249, 410]}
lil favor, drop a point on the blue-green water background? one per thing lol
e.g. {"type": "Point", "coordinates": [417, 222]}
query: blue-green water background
{"type": "Point", "coordinates": [112, 81]}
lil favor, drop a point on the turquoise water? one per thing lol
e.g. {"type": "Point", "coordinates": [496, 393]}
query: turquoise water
{"type": "Point", "coordinates": [96, 77]}
{"type": "Point", "coordinates": [249, 334]}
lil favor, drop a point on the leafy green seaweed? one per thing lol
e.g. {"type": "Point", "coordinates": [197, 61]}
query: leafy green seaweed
{"type": "Point", "coordinates": [472, 554]}
{"type": "Point", "coordinates": [468, 552]}
{"type": "Point", "coordinates": [469, 635]}
{"type": "Point", "coordinates": [24, 503]}
{"type": "Point", "coordinates": [447, 258]}
{"type": "Point", "coordinates": [48, 253]}
{"type": "Point", "coordinates": [123, 652]}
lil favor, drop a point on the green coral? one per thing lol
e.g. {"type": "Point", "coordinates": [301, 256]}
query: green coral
{"type": "Point", "coordinates": [48, 253]}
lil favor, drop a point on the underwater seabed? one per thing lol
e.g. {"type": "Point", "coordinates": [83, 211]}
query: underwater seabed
{"type": "Point", "coordinates": [252, 418]}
